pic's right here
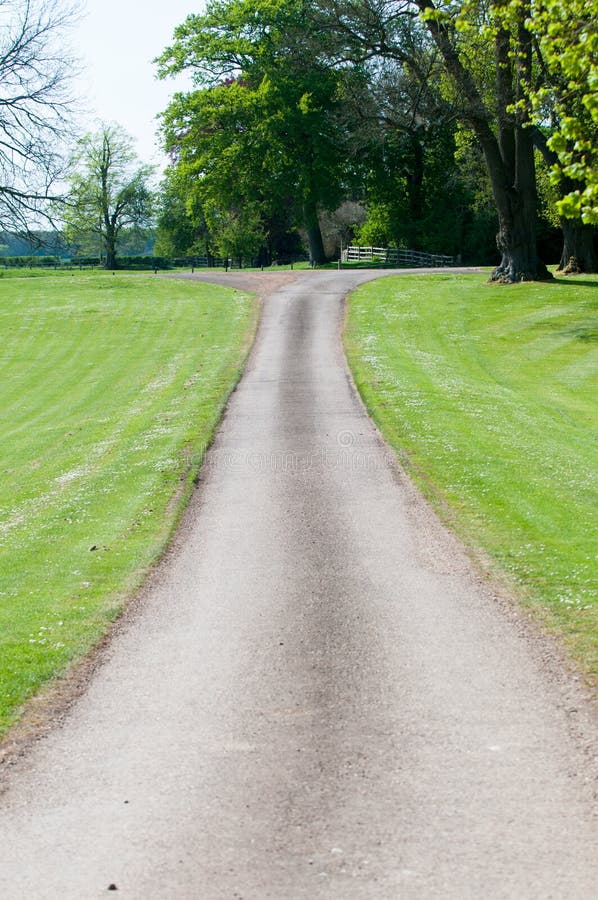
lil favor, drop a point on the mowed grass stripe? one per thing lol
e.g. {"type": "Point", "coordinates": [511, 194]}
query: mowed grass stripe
{"type": "Point", "coordinates": [112, 387]}
{"type": "Point", "coordinates": [489, 397]}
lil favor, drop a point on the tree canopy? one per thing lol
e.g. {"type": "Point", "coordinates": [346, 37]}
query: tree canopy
{"type": "Point", "coordinates": [261, 127]}
{"type": "Point", "coordinates": [499, 65]}
{"type": "Point", "coordinates": [300, 105]}
{"type": "Point", "coordinates": [567, 97]}
{"type": "Point", "coordinates": [109, 192]}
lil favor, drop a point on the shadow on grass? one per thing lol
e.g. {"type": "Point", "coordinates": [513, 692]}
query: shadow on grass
{"type": "Point", "coordinates": [585, 333]}
{"type": "Point", "coordinates": [572, 282]}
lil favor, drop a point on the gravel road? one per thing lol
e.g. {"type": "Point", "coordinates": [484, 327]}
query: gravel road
{"type": "Point", "coordinates": [317, 696]}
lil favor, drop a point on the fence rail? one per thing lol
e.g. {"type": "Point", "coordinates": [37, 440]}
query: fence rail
{"type": "Point", "coordinates": [392, 256]}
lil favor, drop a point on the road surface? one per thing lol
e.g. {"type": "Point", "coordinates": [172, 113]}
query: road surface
{"type": "Point", "coordinates": [317, 697]}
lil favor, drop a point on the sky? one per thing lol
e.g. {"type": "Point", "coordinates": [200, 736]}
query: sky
{"type": "Point", "coordinates": [115, 42]}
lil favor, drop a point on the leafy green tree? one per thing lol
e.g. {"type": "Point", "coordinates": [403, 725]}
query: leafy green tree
{"type": "Point", "coordinates": [237, 233]}
{"type": "Point", "coordinates": [304, 104]}
{"type": "Point", "coordinates": [261, 128]}
{"type": "Point", "coordinates": [564, 106]}
{"type": "Point", "coordinates": [181, 229]}
{"type": "Point", "coordinates": [508, 150]}
{"type": "Point", "coordinates": [393, 118]}
{"type": "Point", "coordinates": [110, 190]}
{"type": "Point", "coordinates": [480, 223]}
{"type": "Point", "coordinates": [579, 237]}
{"type": "Point", "coordinates": [567, 38]}
{"type": "Point", "coordinates": [485, 51]}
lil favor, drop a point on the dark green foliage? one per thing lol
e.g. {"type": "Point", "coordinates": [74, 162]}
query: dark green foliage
{"type": "Point", "coordinates": [261, 130]}
{"type": "Point", "coordinates": [31, 262]}
{"type": "Point", "coordinates": [418, 110]}
{"type": "Point", "coordinates": [140, 263]}
{"type": "Point", "coordinates": [421, 198]}
{"type": "Point", "coordinates": [181, 228]}
{"type": "Point", "coordinates": [110, 195]}
{"type": "Point", "coordinates": [35, 243]}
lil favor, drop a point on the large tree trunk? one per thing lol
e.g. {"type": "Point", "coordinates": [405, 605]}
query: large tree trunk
{"type": "Point", "coordinates": [516, 206]}
{"type": "Point", "coordinates": [509, 155]}
{"type": "Point", "coordinates": [513, 170]}
{"type": "Point", "coordinates": [415, 181]}
{"type": "Point", "coordinates": [516, 242]}
{"type": "Point", "coordinates": [110, 236]}
{"type": "Point", "coordinates": [579, 253]}
{"type": "Point", "coordinates": [311, 224]}
{"type": "Point", "coordinates": [110, 263]}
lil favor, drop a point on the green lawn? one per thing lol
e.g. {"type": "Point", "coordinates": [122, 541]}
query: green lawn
{"type": "Point", "coordinates": [489, 396]}
{"type": "Point", "coordinates": [111, 389]}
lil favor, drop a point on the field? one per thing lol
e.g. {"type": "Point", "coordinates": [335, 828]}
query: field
{"type": "Point", "coordinates": [111, 389]}
{"type": "Point", "coordinates": [489, 396]}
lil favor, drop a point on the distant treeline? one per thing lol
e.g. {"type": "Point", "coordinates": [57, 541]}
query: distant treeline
{"type": "Point", "coordinates": [51, 244]}
{"type": "Point", "coordinates": [37, 244]}
{"type": "Point", "coordinates": [141, 263]}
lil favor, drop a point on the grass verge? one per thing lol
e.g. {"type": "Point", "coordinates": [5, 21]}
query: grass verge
{"type": "Point", "coordinates": [112, 387]}
{"type": "Point", "coordinates": [488, 395]}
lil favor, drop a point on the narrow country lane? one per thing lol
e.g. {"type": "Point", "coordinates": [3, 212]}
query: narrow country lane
{"type": "Point", "coordinates": [316, 698]}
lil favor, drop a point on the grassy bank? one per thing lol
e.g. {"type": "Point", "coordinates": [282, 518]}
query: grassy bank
{"type": "Point", "coordinates": [111, 389]}
{"type": "Point", "coordinates": [488, 394]}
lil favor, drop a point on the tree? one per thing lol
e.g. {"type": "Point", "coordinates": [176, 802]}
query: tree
{"type": "Point", "coordinates": [181, 230]}
{"type": "Point", "coordinates": [109, 191]}
{"type": "Point", "coordinates": [35, 108]}
{"type": "Point", "coordinates": [237, 233]}
{"type": "Point", "coordinates": [486, 91]}
{"type": "Point", "coordinates": [509, 153]}
{"type": "Point", "coordinates": [261, 128]}
{"type": "Point", "coordinates": [567, 39]}
{"type": "Point", "coordinates": [404, 132]}
{"type": "Point", "coordinates": [579, 236]}
{"type": "Point", "coordinates": [564, 106]}
{"type": "Point", "coordinates": [212, 135]}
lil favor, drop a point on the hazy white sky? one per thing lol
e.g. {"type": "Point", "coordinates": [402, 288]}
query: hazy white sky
{"type": "Point", "coordinates": [116, 41]}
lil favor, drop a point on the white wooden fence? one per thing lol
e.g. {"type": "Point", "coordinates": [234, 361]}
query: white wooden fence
{"type": "Point", "coordinates": [402, 259]}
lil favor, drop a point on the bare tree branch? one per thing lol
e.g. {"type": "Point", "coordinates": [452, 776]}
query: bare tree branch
{"type": "Point", "coordinates": [36, 108]}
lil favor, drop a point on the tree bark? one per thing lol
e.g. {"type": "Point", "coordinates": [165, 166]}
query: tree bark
{"type": "Point", "coordinates": [516, 199]}
{"type": "Point", "coordinates": [110, 244]}
{"type": "Point", "coordinates": [579, 254]}
{"type": "Point", "coordinates": [314, 235]}
{"type": "Point", "coordinates": [579, 240]}
{"type": "Point", "coordinates": [516, 242]}
{"type": "Point", "coordinates": [104, 165]}
{"type": "Point", "coordinates": [415, 181]}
